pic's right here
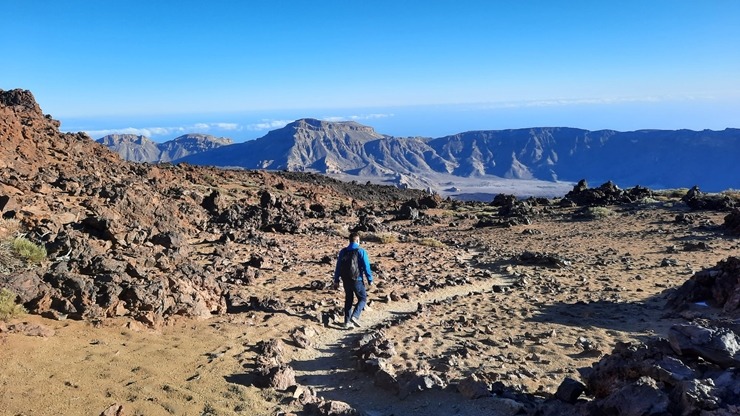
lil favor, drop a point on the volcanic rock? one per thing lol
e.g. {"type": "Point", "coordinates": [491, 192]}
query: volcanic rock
{"type": "Point", "coordinates": [332, 408]}
{"type": "Point", "coordinates": [606, 194]}
{"type": "Point", "coordinates": [472, 387]}
{"type": "Point", "coordinates": [569, 390]}
{"type": "Point", "coordinates": [732, 221]}
{"type": "Point", "coordinates": [720, 346]}
{"type": "Point", "coordinates": [719, 286]}
{"type": "Point", "coordinates": [540, 259]}
{"type": "Point", "coordinates": [698, 200]}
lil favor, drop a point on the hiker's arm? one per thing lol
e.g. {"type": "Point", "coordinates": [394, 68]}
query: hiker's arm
{"type": "Point", "coordinates": [366, 267]}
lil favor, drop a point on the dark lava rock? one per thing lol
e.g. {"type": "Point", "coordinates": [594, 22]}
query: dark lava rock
{"type": "Point", "coordinates": [698, 200]}
{"type": "Point", "coordinates": [540, 259]}
{"type": "Point", "coordinates": [719, 286]}
{"type": "Point", "coordinates": [732, 221]}
{"type": "Point", "coordinates": [569, 390]}
{"type": "Point", "coordinates": [606, 194]}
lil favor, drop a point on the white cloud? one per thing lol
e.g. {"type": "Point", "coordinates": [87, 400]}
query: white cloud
{"type": "Point", "coordinates": [267, 124]}
{"type": "Point", "coordinates": [158, 131]}
{"type": "Point", "coordinates": [227, 126]}
{"type": "Point", "coordinates": [128, 130]}
{"type": "Point", "coordinates": [358, 117]}
{"type": "Point", "coordinates": [165, 131]}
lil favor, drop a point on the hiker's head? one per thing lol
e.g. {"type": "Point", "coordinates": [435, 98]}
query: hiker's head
{"type": "Point", "coordinates": [354, 238]}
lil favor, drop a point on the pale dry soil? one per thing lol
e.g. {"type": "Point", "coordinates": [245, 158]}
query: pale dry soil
{"type": "Point", "coordinates": [525, 336]}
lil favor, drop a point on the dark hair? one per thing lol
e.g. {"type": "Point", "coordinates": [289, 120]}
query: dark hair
{"type": "Point", "coordinates": [354, 237]}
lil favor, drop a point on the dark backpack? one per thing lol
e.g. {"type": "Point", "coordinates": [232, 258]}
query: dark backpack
{"type": "Point", "coordinates": [349, 264]}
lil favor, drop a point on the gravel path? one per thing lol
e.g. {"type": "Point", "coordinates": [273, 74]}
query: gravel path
{"type": "Point", "coordinates": [330, 366]}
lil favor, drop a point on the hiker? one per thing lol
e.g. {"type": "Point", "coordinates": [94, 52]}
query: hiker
{"type": "Point", "coordinates": [352, 263]}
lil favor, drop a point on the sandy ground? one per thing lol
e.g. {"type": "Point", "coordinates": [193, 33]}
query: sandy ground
{"type": "Point", "coordinates": [526, 335]}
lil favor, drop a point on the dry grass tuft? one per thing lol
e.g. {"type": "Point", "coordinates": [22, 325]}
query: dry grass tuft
{"type": "Point", "coordinates": [431, 242]}
{"type": "Point", "coordinates": [382, 238]}
{"type": "Point", "coordinates": [8, 308]}
{"type": "Point", "coordinates": [9, 229]}
{"type": "Point", "coordinates": [597, 213]}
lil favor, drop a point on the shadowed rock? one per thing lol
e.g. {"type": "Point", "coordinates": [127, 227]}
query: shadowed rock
{"type": "Point", "coordinates": [732, 221]}
{"type": "Point", "coordinates": [606, 194]}
{"type": "Point", "coordinates": [718, 286]}
{"type": "Point", "coordinates": [472, 387]}
{"type": "Point", "coordinates": [698, 200]}
{"type": "Point", "coordinates": [569, 390]}
{"type": "Point", "coordinates": [720, 346]}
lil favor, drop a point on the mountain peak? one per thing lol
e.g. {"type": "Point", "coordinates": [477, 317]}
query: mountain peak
{"type": "Point", "coordinates": [203, 140]}
{"type": "Point", "coordinates": [20, 98]}
{"type": "Point", "coordinates": [313, 124]}
{"type": "Point", "coordinates": [112, 140]}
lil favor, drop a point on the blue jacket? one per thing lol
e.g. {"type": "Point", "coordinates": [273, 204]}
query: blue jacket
{"type": "Point", "coordinates": [364, 267]}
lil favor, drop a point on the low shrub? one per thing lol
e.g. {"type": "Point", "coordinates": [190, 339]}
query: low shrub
{"type": "Point", "coordinates": [8, 308]}
{"type": "Point", "coordinates": [647, 201]}
{"type": "Point", "coordinates": [25, 248]}
{"type": "Point", "coordinates": [598, 212]}
{"type": "Point", "coordinates": [382, 238]}
{"type": "Point", "coordinates": [431, 242]}
{"type": "Point", "coordinates": [593, 213]}
{"type": "Point", "coordinates": [676, 193]}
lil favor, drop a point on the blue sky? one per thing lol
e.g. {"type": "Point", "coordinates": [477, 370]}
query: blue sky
{"type": "Point", "coordinates": [239, 69]}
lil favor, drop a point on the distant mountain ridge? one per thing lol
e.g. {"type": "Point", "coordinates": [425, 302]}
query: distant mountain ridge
{"type": "Point", "coordinates": [142, 149]}
{"type": "Point", "coordinates": [653, 158]}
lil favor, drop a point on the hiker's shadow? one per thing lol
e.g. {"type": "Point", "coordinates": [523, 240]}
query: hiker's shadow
{"type": "Point", "coordinates": [333, 365]}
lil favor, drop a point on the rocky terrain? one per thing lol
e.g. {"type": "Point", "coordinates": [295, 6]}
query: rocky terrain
{"type": "Point", "coordinates": [191, 290]}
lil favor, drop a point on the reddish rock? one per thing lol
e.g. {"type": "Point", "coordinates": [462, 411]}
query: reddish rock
{"type": "Point", "coordinates": [114, 410]}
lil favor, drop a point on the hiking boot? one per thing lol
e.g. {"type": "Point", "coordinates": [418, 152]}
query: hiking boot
{"type": "Point", "coordinates": [356, 321]}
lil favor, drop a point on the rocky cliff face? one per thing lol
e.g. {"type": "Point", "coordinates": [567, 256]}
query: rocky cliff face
{"type": "Point", "coordinates": [142, 149]}
{"type": "Point", "coordinates": [189, 144]}
{"type": "Point", "coordinates": [304, 145]}
{"type": "Point", "coordinates": [132, 147]}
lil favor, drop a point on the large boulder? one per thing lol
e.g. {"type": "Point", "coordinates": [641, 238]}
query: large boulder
{"type": "Point", "coordinates": [717, 345]}
{"type": "Point", "coordinates": [718, 286]}
{"type": "Point", "coordinates": [732, 221]}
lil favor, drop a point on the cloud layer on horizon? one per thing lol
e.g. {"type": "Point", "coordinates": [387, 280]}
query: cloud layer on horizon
{"type": "Point", "coordinates": [220, 127]}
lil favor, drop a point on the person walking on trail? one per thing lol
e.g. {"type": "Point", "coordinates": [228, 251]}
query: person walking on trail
{"type": "Point", "coordinates": [352, 264]}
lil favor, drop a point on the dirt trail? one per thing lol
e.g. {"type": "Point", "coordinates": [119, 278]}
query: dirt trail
{"type": "Point", "coordinates": [330, 366]}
